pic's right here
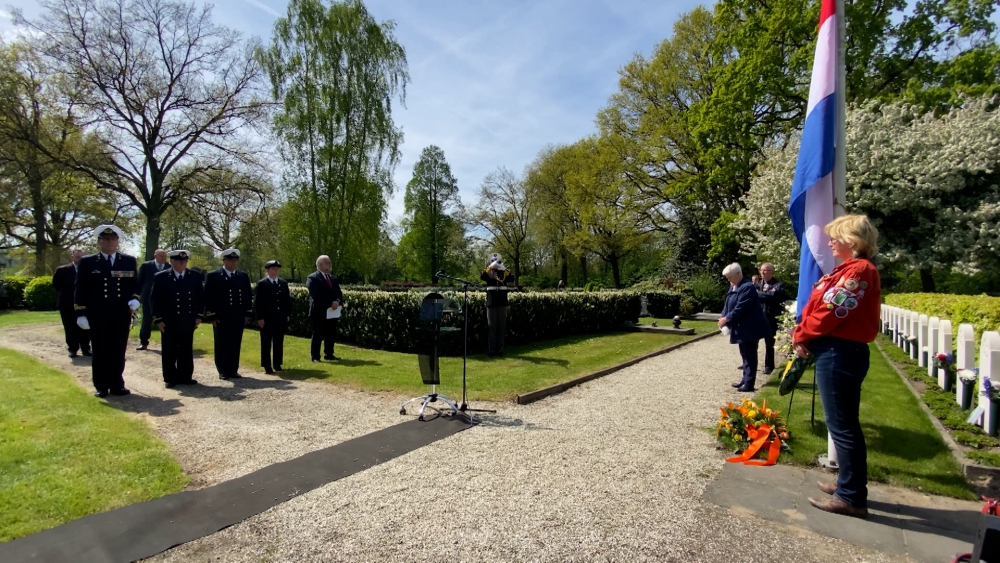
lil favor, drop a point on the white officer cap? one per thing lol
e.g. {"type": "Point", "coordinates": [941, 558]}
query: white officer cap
{"type": "Point", "coordinates": [179, 254]}
{"type": "Point", "coordinates": [230, 253]}
{"type": "Point", "coordinates": [108, 230]}
{"type": "Point", "coordinates": [495, 257]}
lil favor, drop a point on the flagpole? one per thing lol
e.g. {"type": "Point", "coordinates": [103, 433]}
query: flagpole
{"type": "Point", "coordinates": [840, 157]}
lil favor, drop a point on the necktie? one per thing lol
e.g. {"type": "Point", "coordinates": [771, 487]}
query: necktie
{"type": "Point", "coordinates": [328, 282]}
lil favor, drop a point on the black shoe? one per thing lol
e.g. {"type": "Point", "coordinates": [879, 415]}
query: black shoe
{"type": "Point", "coordinates": [269, 371]}
{"type": "Point", "coordinates": [188, 382]}
{"type": "Point", "coordinates": [170, 385]}
{"type": "Point", "coordinates": [87, 353]}
{"type": "Point", "coordinates": [72, 354]}
{"type": "Point", "coordinates": [737, 384]}
{"type": "Point", "coordinates": [768, 371]}
{"type": "Point", "coordinates": [120, 392]}
{"type": "Point", "coordinates": [490, 355]}
{"type": "Point", "coordinates": [226, 377]}
{"type": "Point", "coordinates": [278, 368]}
{"type": "Point", "coordinates": [315, 360]}
{"type": "Point", "coordinates": [142, 346]}
{"type": "Point", "coordinates": [235, 376]}
{"type": "Point", "coordinates": [745, 389]}
{"type": "Point", "coordinates": [101, 394]}
{"type": "Point", "coordinates": [331, 358]}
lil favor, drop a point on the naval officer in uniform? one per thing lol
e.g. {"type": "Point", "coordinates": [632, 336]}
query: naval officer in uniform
{"type": "Point", "coordinates": [229, 306]}
{"type": "Point", "coordinates": [106, 299]}
{"type": "Point", "coordinates": [273, 310]}
{"type": "Point", "coordinates": [176, 300]}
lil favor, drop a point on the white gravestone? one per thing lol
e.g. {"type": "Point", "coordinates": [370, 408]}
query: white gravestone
{"type": "Point", "coordinates": [965, 357]}
{"type": "Point", "coordinates": [944, 347]}
{"type": "Point", "coordinates": [895, 325]}
{"type": "Point", "coordinates": [904, 328]}
{"type": "Point", "coordinates": [989, 367]}
{"type": "Point", "coordinates": [914, 335]}
{"type": "Point", "coordinates": [932, 343]}
{"type": "Point", "coordinates": [923, 322]}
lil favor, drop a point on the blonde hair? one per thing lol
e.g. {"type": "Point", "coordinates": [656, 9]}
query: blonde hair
{"type": "Point", "coordinates": [857, 231]}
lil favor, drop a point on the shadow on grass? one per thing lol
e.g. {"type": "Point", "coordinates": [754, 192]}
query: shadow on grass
{"type": "Point", "coordinates": [534, 360]}
{"type": "Point", "coordinates": [153, 406]}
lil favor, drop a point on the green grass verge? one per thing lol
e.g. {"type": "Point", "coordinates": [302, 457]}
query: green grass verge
{"type": "Point", "coordinates": [18, 317]}
{"type": "Point", "coordinates": [904, 448]}
{"type": "Point", "coordinates": [522, 368]}
{"type": "Point", "coordinates": [64, 454]}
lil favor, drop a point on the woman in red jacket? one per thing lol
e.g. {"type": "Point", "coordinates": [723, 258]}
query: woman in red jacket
{"type": "Point", "coordinates": [838, 322]}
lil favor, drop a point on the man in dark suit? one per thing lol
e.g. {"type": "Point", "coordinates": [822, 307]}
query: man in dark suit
{"type": "Point", "coordinates": [229, 306]}
{"type": "Point", "coordinates": [176, 300]}
{"type": "Point", "coordinates": [146, 272]}
{"type": "Point", "coordinates": [106, 299]}
{"type": "Point", "coordinates": [273, 311]}
{"type": "Point", "coordinates": [771, 293]}
{"type": "Point", "coordinates": [325, 300]}
{"type": "Point", "coordinates": [64, 280]}
{"type": "Point", "coordinates": [745, 319]}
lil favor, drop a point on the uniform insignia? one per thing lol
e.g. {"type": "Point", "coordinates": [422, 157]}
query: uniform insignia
{"type": "Point", "coordinates": [851, 284]}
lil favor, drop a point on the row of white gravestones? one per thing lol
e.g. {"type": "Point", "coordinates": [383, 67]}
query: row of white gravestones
{"type": "Point", "coordinates": [989, 368]}
{"type": "Point", "coordinates": [944, 347]}
{"type": "Point", "coordinates": [965, 358]}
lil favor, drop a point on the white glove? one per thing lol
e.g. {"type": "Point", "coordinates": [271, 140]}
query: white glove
{"type": "Point", "coordinates": [133, 304]}
{"type": "Point", "coordinates": [83, 323]}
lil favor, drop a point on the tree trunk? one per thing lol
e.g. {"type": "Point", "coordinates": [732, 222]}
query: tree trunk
{"type": "Point", "coordinates": [563, 267]}
{"type": "Point", "coordinates": [583, 269]}
{"type": "Point", "coordinates": [926, 280]}
{"type": "Point", "coordinates": [38, 215]}
{"type": "Point", "coordinates": [616, 273]}
{"type": "Point", "coordinates": [152, 234]}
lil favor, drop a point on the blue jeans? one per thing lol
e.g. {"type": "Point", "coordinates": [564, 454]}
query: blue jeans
{"type": "Point", "coordinates": [841, 367]}
{"type": "Point", "coordinates": [748, 351]}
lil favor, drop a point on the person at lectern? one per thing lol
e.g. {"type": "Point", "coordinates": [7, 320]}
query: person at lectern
{"type": "Point", "coordinates": [498, 280]}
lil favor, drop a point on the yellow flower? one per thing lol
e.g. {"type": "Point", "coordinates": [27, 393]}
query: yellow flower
{"type": "Point", "coordinates": [752, 414]}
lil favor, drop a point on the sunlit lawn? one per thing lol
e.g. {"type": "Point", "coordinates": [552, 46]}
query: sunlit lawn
{"type": "Point", "coordinates": [18, 317]}
{"type": "Point", "coordinates": [522, 368]}
{"type": "Point", "coordinates": [65, 454]}
{"type": "Point", "coordinates": [904, 448]}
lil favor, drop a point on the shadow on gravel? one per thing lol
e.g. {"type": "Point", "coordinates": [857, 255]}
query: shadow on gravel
{"type": "Point", "coordinates": [252, 383]}
{"type": "Point", "coordinates": [153, 406]}
{"type": "Point", "coordinates": [205, 391]}
{"type": "Point", "coordinates": [502, 421]}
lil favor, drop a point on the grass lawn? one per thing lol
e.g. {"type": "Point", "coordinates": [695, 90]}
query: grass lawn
{"type": "Point", "coordinates": [19, 317]}
{"type": "Point", "coordinates": [64, 455]}
{"type": "Point", "coordinates": [521, 369]}
{"type": "Point", "coordinates": [904, 448]}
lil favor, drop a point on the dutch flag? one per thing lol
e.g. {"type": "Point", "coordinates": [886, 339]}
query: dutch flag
{"type": "Point", "coordinates": [811, 205]}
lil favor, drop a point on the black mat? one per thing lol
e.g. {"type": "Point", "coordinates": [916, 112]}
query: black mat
{"type": "Point", "coordinates": [145, 529]}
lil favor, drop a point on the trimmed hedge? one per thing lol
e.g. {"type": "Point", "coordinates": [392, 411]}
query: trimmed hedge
{"type": "Point", "coordinates": [12, 291]}
{"type": "Point", "coordinates": [981, 311]}
{"type": "Point", "coordinates": [40, 295]}
{"type": "Point", "coordinates": [388, 320]}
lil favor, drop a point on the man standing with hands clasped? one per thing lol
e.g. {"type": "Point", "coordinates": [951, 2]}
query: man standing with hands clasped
{"type": "Point", "coordinates": [229, 306]}
{"type": "Point", "coordinates": [325, 300]}
{"type": "Point", "coordinates": [64, 280]}
{"type": "Point", "coordinates": [273, 310]}
{"type": "Point", "coordinates": [771, 293]}
{"type": "Point", "coordinates": [176, 303]}
{"type": "Point", "coordinates": [105, 300]}
{"type": "Point", "coordinates": [146, 272]}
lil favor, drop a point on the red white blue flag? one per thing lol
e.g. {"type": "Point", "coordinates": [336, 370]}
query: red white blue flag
{"type": "Point", "coordinates": [811, 204]}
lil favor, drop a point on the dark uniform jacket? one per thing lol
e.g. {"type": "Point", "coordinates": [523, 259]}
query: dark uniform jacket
{"type": "Point", "coordinates": [272, 302]}
{"type": "Point", "coordinates": [496, 289]}
{"type": "Point", "coordinates": [103, 290]}
{"type": "Point", "coordinates": [321, 294]}
{"type": "Point", "coordinates": [146, 272]}
{"type": "Point", "coordinates": [64, 280]}
{"type": "Point", "coordinates": [744, 316]}
{"type": "Point", "coordinates": [772, 297]}
{"type": "Point", "coordinates": [227, 297]}
{"type": "Point", "coordinates": [177, 302]}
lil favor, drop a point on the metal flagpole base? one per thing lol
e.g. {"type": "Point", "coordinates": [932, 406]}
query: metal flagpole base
{"type": "Point", "coordinates": [425, 403]}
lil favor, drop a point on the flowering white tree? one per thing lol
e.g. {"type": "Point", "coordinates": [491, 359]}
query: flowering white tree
{"type": "Point", "coordinates": [930, 183]}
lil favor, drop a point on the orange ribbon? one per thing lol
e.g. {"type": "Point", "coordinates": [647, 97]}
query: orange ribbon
{"type": "Point", "coordinates": [759, 439]}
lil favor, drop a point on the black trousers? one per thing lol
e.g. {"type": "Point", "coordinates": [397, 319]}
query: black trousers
{"type": "Point", "coordinates": [109, 339]}
{"type": "Point", "coordinates": [146, 326]}
{"type": "Point", "coordinates": [228, 343]}
{"type": "Point", "coordinates": [325, 333]}
{"type": "Point", "coordinates": [769, 344]}
{"type": "Point", "coordinates": [76, 337]}
{"type": "Point", "coordinates": [748, 351]}
{"type": "Point", "coordinates": [272, 337]}
{"type": "Point", "coordinates": [177, 354]}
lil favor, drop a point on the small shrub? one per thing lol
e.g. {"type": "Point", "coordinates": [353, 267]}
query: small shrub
{"type": "Point", "coordinates": [40, 295]}
{"type": "Point", "coordinates": [708, 290]}
{"type": "Point", "coordinates": [12, 292]}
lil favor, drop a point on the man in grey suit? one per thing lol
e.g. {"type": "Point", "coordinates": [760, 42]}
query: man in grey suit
{"type": "Point", "coordinates": [146, 272]}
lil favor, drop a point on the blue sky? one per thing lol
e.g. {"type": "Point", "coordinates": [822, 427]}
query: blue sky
{"type": "Point", "coordinates": [492, 82]}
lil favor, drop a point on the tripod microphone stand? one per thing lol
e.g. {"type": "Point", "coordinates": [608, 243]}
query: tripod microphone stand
{"type": "Point", "coordinates": [464, 407]}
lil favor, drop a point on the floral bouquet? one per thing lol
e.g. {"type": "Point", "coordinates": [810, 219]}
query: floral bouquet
{"type": "Point", "coordinates": [946, 363]}
{"type": "Point", "coordinates": [747, 428]}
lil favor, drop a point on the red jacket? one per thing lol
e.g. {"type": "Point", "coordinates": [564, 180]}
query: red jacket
{"type": "Point", "coordinates": [844, 304]}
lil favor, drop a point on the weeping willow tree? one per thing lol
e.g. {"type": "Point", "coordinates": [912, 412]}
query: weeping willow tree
{"type": "Point", "coordinates": [336, 71]}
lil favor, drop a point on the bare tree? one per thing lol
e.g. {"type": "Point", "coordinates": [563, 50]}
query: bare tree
{"type": "Point", "coordinates": [503, 210]}
{"type": "Point", "coordinates": [162, 86]}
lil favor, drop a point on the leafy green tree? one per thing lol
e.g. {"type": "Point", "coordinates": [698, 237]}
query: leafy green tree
{"type": "Point", "coordinates": [431, 197]}
{"type": "Point", "coordinates": [335, 72]}
{"type": "Point", "coordinates": [160, 84]}
{"type": "Point", "coordinates": [553, 218]}
{"type": "Point", "coordinates": [504, 211]}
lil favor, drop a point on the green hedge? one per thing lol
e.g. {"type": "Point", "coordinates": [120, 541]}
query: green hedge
{"type": "Point", "coordinates": [981, 311]}
{"type": "Point", "coordinates": [388, 320]}
{"type": "Point", "coordinates": [663, 304]}
{"type": "Point", "coordinates": [12, 291]}
{"type": "Point", "coordinates": [40, 295]}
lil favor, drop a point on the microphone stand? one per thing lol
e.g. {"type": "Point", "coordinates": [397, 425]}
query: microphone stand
{"type": "Point", "coordinates": [464, 407]}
